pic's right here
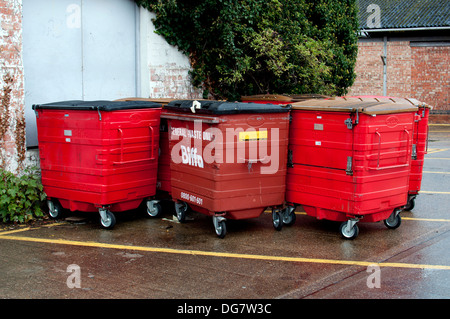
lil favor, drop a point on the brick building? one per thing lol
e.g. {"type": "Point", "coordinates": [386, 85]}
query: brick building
{"type": "Point", "coordinates": [404, 50]}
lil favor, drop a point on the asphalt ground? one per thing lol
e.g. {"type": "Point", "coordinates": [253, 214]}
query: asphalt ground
{"type": "Point", "coordinates": [145, 258]}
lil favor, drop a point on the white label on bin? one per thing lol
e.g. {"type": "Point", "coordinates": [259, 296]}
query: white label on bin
{"type": "Point", "coordinates": [67, 132]}
{"type": "Point", "coordinates": [318, 127]}
{"type": "Point", "coordinates": [192, 198]}
{"type": "Point", "coordinates": [68, 139]}
{"type": "Point", "coordinates": [318, 143]}
{"type": "Point", "coordinates": [319, 117]}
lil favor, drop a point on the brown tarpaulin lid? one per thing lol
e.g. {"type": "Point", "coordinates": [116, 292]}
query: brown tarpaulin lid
{"type": "Point", "coordinates": [388, 99]}
{"type": "Point", "coordinates": [346, 105]}
{"type": "Point", "coordinates": [282, 98]}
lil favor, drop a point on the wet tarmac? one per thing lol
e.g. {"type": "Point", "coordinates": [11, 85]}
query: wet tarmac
{"type": "Point", "coordinates": [141, 257]}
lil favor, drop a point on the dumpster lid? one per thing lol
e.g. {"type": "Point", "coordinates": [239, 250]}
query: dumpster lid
{"type": "Point", "coordinates": [223, 107]}
{"type": "Point", "coordinates": [355, 105]}
{"type": "Point", "coordinates": [101, 105]}
{"type": "Point", "coordinates": [283, 97]}
{"type": "Point", "coordinates": [388, 99]}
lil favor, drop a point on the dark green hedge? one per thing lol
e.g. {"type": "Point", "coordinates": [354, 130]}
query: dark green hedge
{"type": "Point", "coordinates": [253, 46]}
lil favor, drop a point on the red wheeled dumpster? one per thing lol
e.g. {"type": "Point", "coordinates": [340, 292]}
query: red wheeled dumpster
{"type": "Point", "coordinates": [228, 159]}
{"type": "Point", "coordinates": [98, 155]}
{"type": "Point", "coordinates": [420, 140]}
{"type": "Point", "coordinates": [350, 161]}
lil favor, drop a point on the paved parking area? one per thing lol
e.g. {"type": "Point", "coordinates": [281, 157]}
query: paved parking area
{"type": "Point", "coordinates": [160, 258]}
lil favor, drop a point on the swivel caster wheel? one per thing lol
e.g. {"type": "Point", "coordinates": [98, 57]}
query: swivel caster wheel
{"type": "Point", "coordinates": [181, 209]}
{"type": "Point", "coordinates": [277, 219]}
{"type": "Point", "coordinates": [410, 205]}
{"type": "Point", "coordinates": [289, 216]}
{"type": "Point", "coordinates": [107, 219]}
{"type": "Point", "coordinates": [349, 229]}
{"type": "Point", "coordinates": [153, 209]}
{"type": "Point", "coordinates": [220, 226]}
{"type": "Point", "coordinates": [55, 209]}
{"type": "Point", "coordinates": [393, 221]}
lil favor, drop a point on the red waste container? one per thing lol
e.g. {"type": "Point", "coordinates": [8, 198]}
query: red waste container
{"type": "Point", "coordinates": [420, 140]}
{"type": "Point", "coordinates": [350, 161]}
{"type": "Point", "coordinates": [228, 159]}
{"type": "Point", "coordinates": [98, 155]}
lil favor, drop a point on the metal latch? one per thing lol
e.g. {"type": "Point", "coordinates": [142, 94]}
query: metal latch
{"type": "Point", "coordinates": [414, 152]}
{"type": "Point", "coordinates": [349, 171]}
{"type": "Point", "coordinates": [290, 162]}
{"type": "Point", "coordinates": [349, 123]}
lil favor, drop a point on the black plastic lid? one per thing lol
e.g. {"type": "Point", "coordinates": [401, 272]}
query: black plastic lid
{"type": "Point", "coordinates": [100, 105]}
{"type": "Point", "coordinates": [221, 107]}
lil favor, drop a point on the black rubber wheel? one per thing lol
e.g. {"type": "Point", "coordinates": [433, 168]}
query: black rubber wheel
{"type": "Point", "coordinates": [394, 221]}
{"type": "Point", "coordinates": [277, 221]}
{"type": "Point", "coordinates": [345, 233]}
{"type": "Point", "coordinates": [110, 220]}
{"type": "Point", "coordinates": [55, 209]}
{"type": "Point", "coordinates": [155, 212]}
{"type": "Point", "coordinates": [181, 210]}
{"type": "Point", "coordinates": [289, 219]}
{"type": "Point", "coordinates": [410, 205]}
{"type": "Point", "coordinates": [221, 229]}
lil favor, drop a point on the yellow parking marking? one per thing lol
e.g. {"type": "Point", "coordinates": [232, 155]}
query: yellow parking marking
{"type": "Point", "coordinates": [430, 172]}
{"type": "Point", "coordinates": [225, 255]}
{"type": "Point", "coordinates": [14, 231]}
{"type": "Point", "coordinates": [28, 228]}
{"type": "Point", "coordinates": [438, 158]}
{"type": "Point", "coordinates": [436, 150]}
{"type": "Point", "coordinates": [438, 124]}
{"type": "Point", "coordinates": [427, 219]}
{"type": "Point", "coordinates": [433, 192]}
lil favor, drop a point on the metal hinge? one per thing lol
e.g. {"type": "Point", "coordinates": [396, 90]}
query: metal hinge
{"type": "Point", "coordinates": [289, 162]}
{"type": "Point", "coordinates": [349, 170]}
{"type": "Point", "coordinates": [349, 121]}
{"type": "Point", "coordinates": [414, 152]}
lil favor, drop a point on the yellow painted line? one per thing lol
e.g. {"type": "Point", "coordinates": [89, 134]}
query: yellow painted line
{"type": "Point", "coordinates": [225, 255]}
{"type": "Point", "coordinates": [433, 192]}
{"type": "Point", "coordinates": [438, 158]}
{"type": "Point", "coordinates": [28, 228]}
{"type": "Point", "coordinates": [430, 172]}
{"type": "Point", "coordinates": [14, 231]}
{"type": "Point", "coordinates": [438, 124]}
{"type": "Point", "coordinates": [436, 150]}
{"type": "Point", "coordinates": [427, 219]}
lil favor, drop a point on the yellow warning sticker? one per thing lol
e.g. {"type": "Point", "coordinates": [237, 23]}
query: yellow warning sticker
{"type": "Point", "coordinates": [252, 135]}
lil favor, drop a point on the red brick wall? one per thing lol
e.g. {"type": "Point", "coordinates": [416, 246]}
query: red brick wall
{"type": "Point", "coordinates": [412, 71]}
{"type": "Point", "coordinates": [368, 69]}
{"type": "Point", "coordinates": [431, 76]}
{"type": "Point", "coordinates": [11, 63]}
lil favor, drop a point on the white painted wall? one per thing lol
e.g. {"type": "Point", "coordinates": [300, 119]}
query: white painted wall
{"type": "Point", "coordinates": [163, 67]}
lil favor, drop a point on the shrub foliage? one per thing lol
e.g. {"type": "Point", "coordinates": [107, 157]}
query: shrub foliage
{"type": "Point", "coordinates": [244, 47]}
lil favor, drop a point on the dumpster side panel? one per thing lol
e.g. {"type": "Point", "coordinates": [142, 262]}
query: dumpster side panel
{"type": "Point", "coordinates": [421, 141]}
{"type": "Point", "coordinates": [220, 165]}
{"type": "Point", "coordinates": [164, 174]}
{"type": "Point", "coordinates": [98, 158]}
{"type": "Point", "coordinates": [363, 170]}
